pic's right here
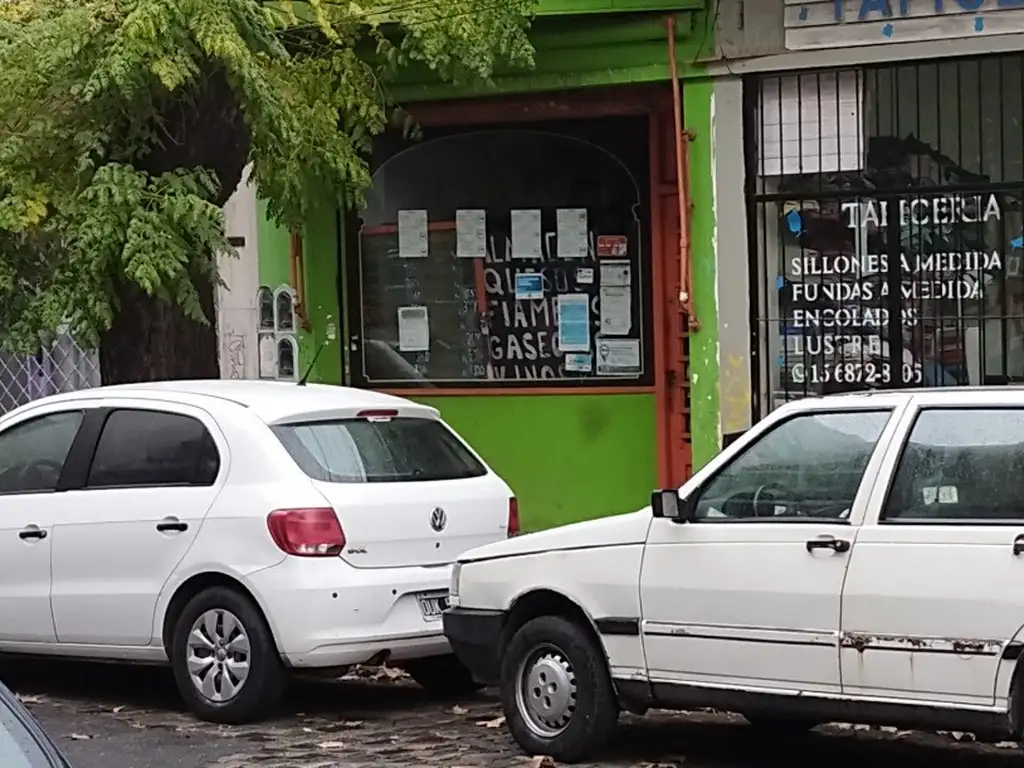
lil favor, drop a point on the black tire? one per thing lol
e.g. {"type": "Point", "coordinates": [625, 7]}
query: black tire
{"type": "Point", "coordinates": [263, 687]}
{"type": "Point", "coordinates": [443, 676]}
{"type": "Point", "coordinates": [596, 710]}
{"type": "Point", "coordinates": [779, 726]}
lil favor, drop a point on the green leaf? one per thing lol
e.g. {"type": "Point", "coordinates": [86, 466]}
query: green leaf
{"type": "Point", "coordinates": [123, 123]}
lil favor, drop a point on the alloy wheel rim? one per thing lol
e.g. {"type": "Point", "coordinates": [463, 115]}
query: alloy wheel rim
{"type": "Point", "coordinates": [218, 655]}
{"type": "Point", "coordinates": [546, 691]}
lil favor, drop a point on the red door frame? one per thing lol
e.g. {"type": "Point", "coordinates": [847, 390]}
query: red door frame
{"type": "Point", "coordinates": [671, 389]}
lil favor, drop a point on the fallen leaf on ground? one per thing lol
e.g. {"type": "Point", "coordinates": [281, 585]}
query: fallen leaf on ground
{"type": "Point", "coordinates": [495, 723]}
{"type": "Point", "coordinates": [331, 745]}
{"type": "Point", "coordinates": [542, 761]}
{"type": "Point", "coordinates": [79, 737]}
{"type": "Point", "coordinates": [390, 673]}
{"type": "Point", "coordinates": [457, 710]}
{"type": "Point", "coordinates": [351, 723]}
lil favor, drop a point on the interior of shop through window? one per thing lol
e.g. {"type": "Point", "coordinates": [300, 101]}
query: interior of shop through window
{"type": "Point", "coordinates": [888, 233]}
{"type": "Point", "coordinates": [506, 256]}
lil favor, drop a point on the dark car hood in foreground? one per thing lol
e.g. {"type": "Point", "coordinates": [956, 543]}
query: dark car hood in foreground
{"type": "Point", "coordinates": [11, 709]}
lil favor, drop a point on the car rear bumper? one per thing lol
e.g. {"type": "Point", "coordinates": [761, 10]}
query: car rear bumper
{"type": "Point", "coordinates": [475, 636]}
{"type": "Point", "coordinates": [325, 613]}
{"type": "Point", "coordinates": [381, 648]}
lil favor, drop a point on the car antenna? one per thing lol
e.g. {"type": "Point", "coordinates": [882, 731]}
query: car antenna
{"type": "Point", "coordinates": [316, 356]}
{"type": "Point", "coordinates": [328, 338]}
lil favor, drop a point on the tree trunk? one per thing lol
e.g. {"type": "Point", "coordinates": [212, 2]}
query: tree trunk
{"type": "Point", "coordinates": [151, 340]}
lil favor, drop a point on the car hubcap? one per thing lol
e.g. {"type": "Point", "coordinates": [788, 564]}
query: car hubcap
{"type": "Point", "coordinates": [218, 655]}
{"type": "Point", "coordinates": [546, 693]}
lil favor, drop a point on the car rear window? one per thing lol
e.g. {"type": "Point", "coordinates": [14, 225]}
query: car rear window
{"type": "Point", "coordinates": [378, 451]}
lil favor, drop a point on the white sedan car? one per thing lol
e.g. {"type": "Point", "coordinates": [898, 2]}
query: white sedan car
{"type": "Point", "coordinates": [239, 530]}
{"type": "Point", "coordinates": [857, 558]}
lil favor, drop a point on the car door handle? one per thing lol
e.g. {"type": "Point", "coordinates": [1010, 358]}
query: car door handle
{"type": "Point", "coordinates": [828, 542]}
{"type": "Point", "coordinates": [32, 532]}
{"type": "Point", "coordinates": [171, 524]}
{"type": "Point", "coordinates": [1018, 545]}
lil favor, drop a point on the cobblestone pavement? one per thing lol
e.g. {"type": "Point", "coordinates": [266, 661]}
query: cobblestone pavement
{"type": "Point", "coordinates": [122, 717]}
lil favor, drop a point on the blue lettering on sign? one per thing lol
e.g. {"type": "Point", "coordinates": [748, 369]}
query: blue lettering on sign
{"type": "Point", "coordinates": [870, 9]}
{"type": "Point", "coordinates": [874, 6]}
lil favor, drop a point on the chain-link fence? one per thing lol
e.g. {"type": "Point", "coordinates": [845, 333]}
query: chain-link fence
{"type": "Point", "coordinates": [63, 367]}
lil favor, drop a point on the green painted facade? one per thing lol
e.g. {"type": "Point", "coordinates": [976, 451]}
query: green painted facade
{"type": "Point", "coordinates": [703, 367]}
{"type": "Point", "coordinates": [568, 457]}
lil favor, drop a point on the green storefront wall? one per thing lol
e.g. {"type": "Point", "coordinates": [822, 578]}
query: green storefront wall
{"type": "Point", "coordinates": [597, 453]}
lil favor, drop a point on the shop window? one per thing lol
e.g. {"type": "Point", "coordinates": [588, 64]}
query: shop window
{"type": "Point", "coordinates": [886, 203]}
{"type": "Point", "coordinates": [512, 257]}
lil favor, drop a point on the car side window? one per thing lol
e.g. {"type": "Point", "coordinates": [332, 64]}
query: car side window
{"type": "Point", "coordinates": [807, 467]}
{"type": "Point", "coordinates": [32, 453]}
{"type": "Point", "coordinates": [964, 465]}
{"type": "Point", "coordinates": [153, 448]}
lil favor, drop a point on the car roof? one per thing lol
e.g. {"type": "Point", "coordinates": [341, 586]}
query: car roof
{"type": "Point", "coordinates": [970, 395]}
{"type": "Point", "coordinates": [271, 401]}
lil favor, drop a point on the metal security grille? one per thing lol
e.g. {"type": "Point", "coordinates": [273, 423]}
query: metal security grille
{"type": "Point", "coordinates": [886, 227]}
{"type": "Point", "coordinates": [63, 367]}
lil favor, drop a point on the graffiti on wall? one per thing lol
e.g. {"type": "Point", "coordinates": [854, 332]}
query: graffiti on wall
{"type": "Point", "coordinates": [234, 354]}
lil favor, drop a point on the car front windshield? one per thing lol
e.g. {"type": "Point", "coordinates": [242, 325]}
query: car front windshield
{"type": "Point", "coordinates": [18, 748]}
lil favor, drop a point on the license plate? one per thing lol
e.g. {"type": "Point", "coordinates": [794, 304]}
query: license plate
{"type": "Point", "coordinates": [432, 606]}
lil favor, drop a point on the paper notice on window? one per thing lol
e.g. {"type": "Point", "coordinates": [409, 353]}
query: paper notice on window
{"type": "Point", "coordinates": [526, 237]}
{"type": "Point", "coordinates": [471, 234]}
{"type": "Point", "coordinates": [574, 322]}
{"type": "Point", "coordinates": [615, 274]}
{"type": "Point", "coordinates": [579, 362]}
{"type": "Point", "coordinates": [618, 357]}
{"type": "Point", "coordinates": [413, 242]}
{"type": "Point", "coordinates": [529, 286]}
{"type": "Point", "coordinates": [616, 311]}
{"type": "Point", "coordinates": [572, 233]}
{"type": "Point", "coordinates": [413, 329]}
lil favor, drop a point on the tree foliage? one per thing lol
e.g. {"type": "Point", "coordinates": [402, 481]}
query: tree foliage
{"type": "Point", "coordinates": [125, 125]}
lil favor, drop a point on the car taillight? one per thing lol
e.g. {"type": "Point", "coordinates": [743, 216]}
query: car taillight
{"type": "Point", "coordinates": [380, 414]}
{"type": "Point", "coordinates": [513, 517]}
{"type": "Point", "coordinates": [312, 532]}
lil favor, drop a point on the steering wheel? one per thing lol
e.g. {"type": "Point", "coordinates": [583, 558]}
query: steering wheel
{"type": "Point", "coordinates": [767, 494]}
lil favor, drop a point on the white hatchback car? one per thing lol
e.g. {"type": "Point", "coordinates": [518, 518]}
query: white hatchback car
{"type": "Point", "coordinates": [239, 529]}
{"type": "Point", "coordinates": [857, 558]}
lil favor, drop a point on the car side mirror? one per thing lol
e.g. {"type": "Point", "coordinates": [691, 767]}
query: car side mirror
{"type": "Point", "coordinates": [667, 504]}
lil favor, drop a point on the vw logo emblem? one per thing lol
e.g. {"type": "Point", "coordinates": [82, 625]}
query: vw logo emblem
{"type": "Point", "coordinates": [438, 519]}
